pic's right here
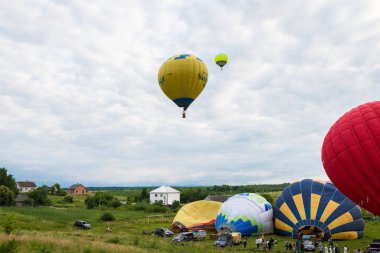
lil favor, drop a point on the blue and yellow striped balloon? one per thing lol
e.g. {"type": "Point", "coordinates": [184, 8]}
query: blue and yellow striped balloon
{"type": "Point", "coordinates": [317, 208]}
{"type": "Point", "coordinates": [182, 78]}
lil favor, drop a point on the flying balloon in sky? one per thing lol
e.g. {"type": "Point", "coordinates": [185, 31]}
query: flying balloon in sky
{"type": "Point", "coordinates": [221, 60]}
{"type": "Point", "coordinates": [351, 155]}
{"type": "Point", "coordinates": [182, 78]}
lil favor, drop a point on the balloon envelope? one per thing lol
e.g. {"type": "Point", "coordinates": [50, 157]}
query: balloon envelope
{"type": "Point", "coordinates": [351, 155]}
{"type": "Point", "coordinates": [247, 213]}
{"type": "Point", "coordinates": [221, 59]}
{"type": "Point", "coordinates": [317, 208]}
{"type": "Point", "coordinates": [197, 215]}
{"type": "Point", "coordinates": [182, 78]}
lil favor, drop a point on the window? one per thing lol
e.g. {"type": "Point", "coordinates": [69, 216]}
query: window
{"type": "Point", "coordinates": [155, 195]}
{"type": "Point", "coordinates": [160, 195]}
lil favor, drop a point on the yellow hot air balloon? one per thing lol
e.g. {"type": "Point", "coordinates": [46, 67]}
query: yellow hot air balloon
{"type": "Point", "coordinates": [221, 60]}
{"type": "Point", "coordinates": [182, 78]}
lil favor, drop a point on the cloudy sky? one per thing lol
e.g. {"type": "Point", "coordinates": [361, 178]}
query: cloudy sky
{"type": "Point", "coordinates": [80, 101]}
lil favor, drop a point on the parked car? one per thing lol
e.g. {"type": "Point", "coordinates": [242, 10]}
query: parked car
{"type": "Point", "coordinates": [184, 236]}
{"type": "Point", "coordinates": [224, 240]}
{"type": "Point", "coordinates": [199, 235]}
{"type": "Point", "coordinates": [164, 232]}
{"type": "Point", "coordinates": [375, 246]}
{"type": "Point", "coordinates": [82, 224]}
{"type": "Point", "coordinates": [309, 245]}
{"type": "Point", "coordinates": [148, 232]}
{"type": "Point", "coordinates": [236, 238]}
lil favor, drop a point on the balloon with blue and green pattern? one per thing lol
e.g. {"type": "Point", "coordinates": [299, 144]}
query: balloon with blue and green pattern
{"type": "Point", "coordinates": [247, 213]}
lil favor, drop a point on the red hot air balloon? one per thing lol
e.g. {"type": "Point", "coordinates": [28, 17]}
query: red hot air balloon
{"type": "Point", "coordinates": [351, 155]}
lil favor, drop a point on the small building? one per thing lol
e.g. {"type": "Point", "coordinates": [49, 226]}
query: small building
{"type": "Point", "coordinates": [166, 194]}
{"type": "Point", "coordinates": [21, 200]}
{"type": "Point", "coordinates": [25, 186]}
{"type": "Point", "coordinates": [77, 189]}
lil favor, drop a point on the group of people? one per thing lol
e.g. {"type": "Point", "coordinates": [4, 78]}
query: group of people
{"type": "Point", "coordinates": [265, 245]}
{"type": "Point", "coordinates": [298, 246]}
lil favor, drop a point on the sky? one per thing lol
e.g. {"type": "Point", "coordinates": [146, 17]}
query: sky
{"type": "Point", "coordinates": [80, 100]}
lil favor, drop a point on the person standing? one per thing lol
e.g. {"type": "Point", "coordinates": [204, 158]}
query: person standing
{"type": "Point", "coordinates": [320, 247]}
{"type": "Point", "coordinates": [331, 244]}
{"type": "Point", "coordinates": [298, 246]}
{"type": "Point", "coordinates": [258, 242]}
{"type": "Point", "coordinates": [326, 249]}
{"type": "Point", "coordinates": [245, 242]}
{"type": "Point", "coordinates": [302, 246]}
{"type": "Point", "coordinates": [345, 249]}
{"type": "Point", "coordinates": [337, 250]}
{"type": "Point", "coordinates": [286, 246]}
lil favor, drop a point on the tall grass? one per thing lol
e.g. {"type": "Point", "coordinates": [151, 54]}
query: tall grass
{"type": "Point", "coordinates": [50, 229]}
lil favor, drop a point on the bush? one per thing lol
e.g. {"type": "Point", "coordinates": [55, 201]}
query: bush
{"type": "Point", "coordinates": [115, 203]}
{"type": "Point", "coordinates": [68, 199]}
{"type": "Point", "coordinates": [107, 217]}
{"type": "Point", "coordinates": [9, 246]}
{"type": "Point", "coordinates": [175, 205]}
{"type": "Point", "coordinates": [8, 222]}
{"type": "Point", "coordinates": [40, 196]}
{"type": "Point", "coordinates": [100, 199]}
{"type": "Point", "coordinates": [115, 240]}
{"type": "Point", "coordinates": [7, 197]}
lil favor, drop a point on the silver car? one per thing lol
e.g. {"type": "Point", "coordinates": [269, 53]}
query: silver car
{"type": "Point", "coordinates": [309, 245]}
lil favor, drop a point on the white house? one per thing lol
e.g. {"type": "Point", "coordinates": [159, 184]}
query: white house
{"type": "Point", "coordinates": [166, 194]}
{"type": "Point", "coordinates": [26, 186]}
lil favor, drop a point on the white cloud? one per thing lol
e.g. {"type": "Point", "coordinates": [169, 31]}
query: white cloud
{"type": "Point", "coordinates": [80, 99]}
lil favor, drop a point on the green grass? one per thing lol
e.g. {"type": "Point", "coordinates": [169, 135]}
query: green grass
{"type": "Point", "coordinates": [50, 229]}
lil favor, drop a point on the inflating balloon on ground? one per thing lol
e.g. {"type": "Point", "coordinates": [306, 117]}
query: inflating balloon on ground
{"type": "Point", "coordinates": [317, 208]}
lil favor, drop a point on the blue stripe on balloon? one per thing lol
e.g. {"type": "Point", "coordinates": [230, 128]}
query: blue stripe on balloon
{"type": "Point", "coordinates": [328, 192]}
{"type": "Point", "coordinates": [317, 187]}
{"type": "Point", "coordinates": [282, 217]}
{"type": "Point", "coordinates": [287, 194]}
{"type": "Point", "coordinates": [306, 192]}
{"type": "Point", "coordinates": [344, 206]}
{"type": "Point", "coordinates": [183, 102]}
{"type": "Point", "coordinates": [356, 225]}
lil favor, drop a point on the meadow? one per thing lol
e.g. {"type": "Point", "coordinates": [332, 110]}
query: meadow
{"type": "Point", "coordinates": [50, 229]}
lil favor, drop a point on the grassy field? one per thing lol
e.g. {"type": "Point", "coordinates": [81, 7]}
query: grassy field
{"type": "Point", "coordinates": [50, 229]}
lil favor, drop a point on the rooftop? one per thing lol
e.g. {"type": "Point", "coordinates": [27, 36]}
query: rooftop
{"type": "Point", "coordinates": [165, 189]}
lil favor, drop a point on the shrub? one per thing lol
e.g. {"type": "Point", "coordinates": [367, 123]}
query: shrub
{"type": "Point", "coordinates": [40, 196]}
{"type": "Point", "coordinates": [9, 246]}
{"type": "Point", "coordinates": [7, 196]}
{"type": "Point", "coordinates": [100, 199]}
{"type": "Point", "coordinates": [68, 199]}
{"type": "Point", "coordinates": [115, 240]}
{"type": "Point", "coordinates": [115, 203]}
{"type": "Point", "coordinates": [107, 217]}
{"type": "Point", "coordinates": [9, 223]}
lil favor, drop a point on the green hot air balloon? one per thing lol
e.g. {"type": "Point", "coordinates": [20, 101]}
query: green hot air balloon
{"type": "Point", "coordinates": [221, 59]}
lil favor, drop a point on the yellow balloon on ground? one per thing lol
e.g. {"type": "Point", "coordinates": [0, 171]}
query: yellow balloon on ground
{"type": "Point", "coordinates": [182, 78]}
{"type": "Point", "coordinates": [221, 60]}
{"type": "Point", "coordinates": [196, 215]}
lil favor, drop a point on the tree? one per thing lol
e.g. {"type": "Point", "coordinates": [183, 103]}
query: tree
{"type": "Point", "coordinates": [40, 196]}
{"type": "Point", "coordinates": [7, 197]}
{"type": "Point", "coordinates": [268, 197]}
{"type": "Point", "coordinates": [144, 195]}
{"type": "Point", "coordinates": [100, 199]}
{"type": "Point", "coordinates": [175, 205]}
{"type": "Point", "coordinates": [8, 180]}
